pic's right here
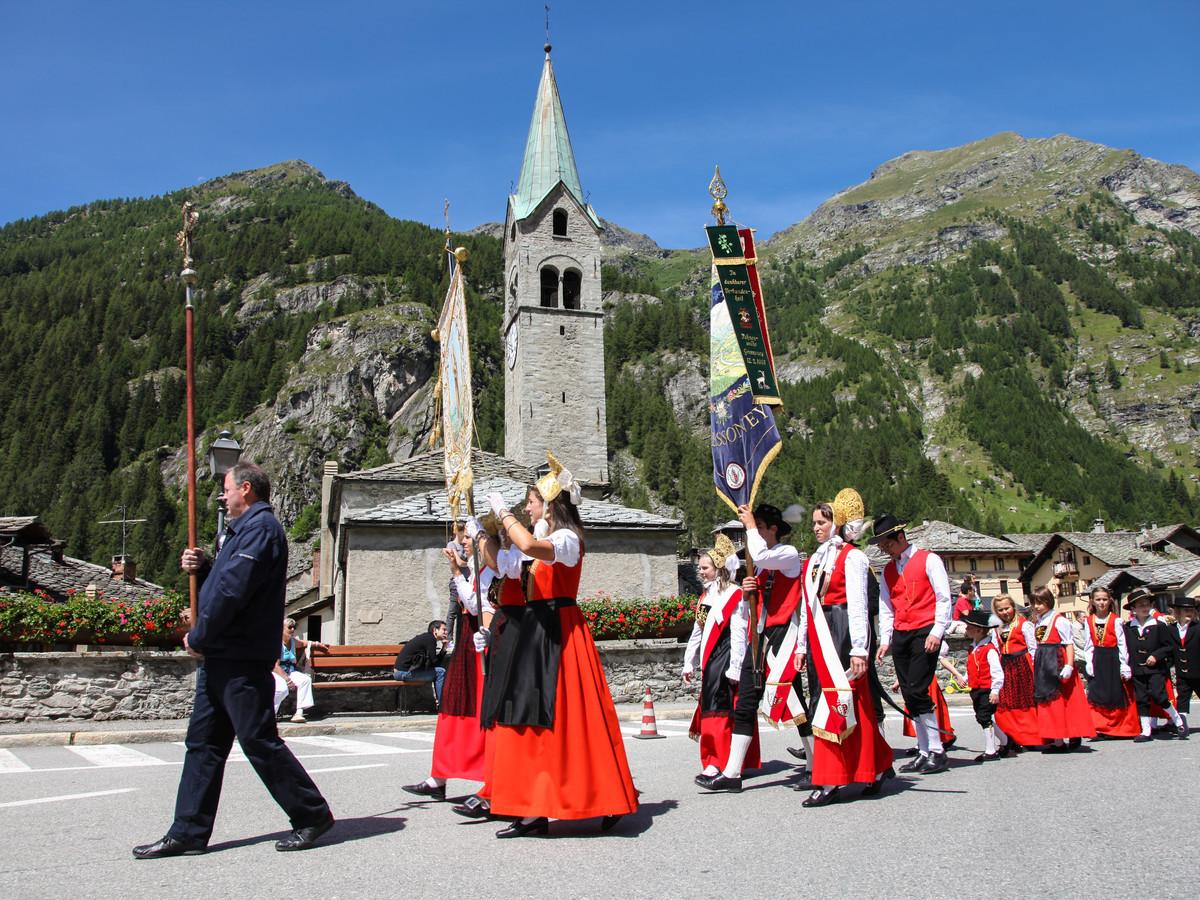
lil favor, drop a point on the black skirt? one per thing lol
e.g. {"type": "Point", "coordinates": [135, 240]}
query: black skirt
{"type": "Point", "coordinates": [522, 680]}
{"type": "Point", "coordinates": [716, 693]}
{"type": "Point", "coordinates": [838, 619]}
{"type": "Point", "coordinates": [458, 691]}
{"type": "Point", "coordinates": [1105, 690]}
{"type": "Point", "coordinates": [1047, 685]}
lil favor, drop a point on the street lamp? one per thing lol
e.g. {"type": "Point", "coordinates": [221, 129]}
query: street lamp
{"type": "Point", "coordinates": [223, 455]}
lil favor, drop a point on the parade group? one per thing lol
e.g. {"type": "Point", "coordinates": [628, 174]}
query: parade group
{"type": "Point", "coordinates": [797, 643]}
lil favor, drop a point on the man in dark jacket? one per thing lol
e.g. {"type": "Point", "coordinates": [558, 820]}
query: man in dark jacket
{"type": "Point", "coordinates": [421, 660]}
{"type": "Point", "coordinates": [236, 637]}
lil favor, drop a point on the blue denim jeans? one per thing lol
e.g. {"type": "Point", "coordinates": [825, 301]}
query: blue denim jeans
{"type": "Point", "coordinates": [436, 676]}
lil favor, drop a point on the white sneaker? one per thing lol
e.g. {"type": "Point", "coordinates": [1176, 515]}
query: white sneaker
{"type": "Point", "coordinates": [299, 717]}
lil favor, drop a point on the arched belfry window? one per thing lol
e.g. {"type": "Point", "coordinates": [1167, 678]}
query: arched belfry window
{"type": "Point", "coordinates": [514, 231]}
{"type": "Point", "coordinates": [549, 286]}
{"type": "Point", "coordinates": [560, 223]}
{"type": "Point", "coordinates": [572, 283]}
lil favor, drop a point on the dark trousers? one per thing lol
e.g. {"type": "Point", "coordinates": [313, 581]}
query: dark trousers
{"type": "Point", "coordinates": [236, 697]}
{"type": "Point", "coordinates": [1184, 688]}
{"type": "Point", "coordinates": [914, 668]}
{"type": "Point", "coordinates": [985, 709]}
{"type": "Point", "coordinates": [1150, 686]}
{"type": "Point", "coordinates": [745, 710]}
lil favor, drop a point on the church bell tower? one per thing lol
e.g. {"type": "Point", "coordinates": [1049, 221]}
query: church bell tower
{"type": "Point", "coordinates": [553, 324]}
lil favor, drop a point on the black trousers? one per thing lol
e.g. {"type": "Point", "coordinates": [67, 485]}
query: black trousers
{"type": "Point", "coordinates": [985, 709]}
{"type": "Point", "coordinates": [1150, 686]}
{"type": "Point", "coordinates": [745, 711]}
{"type": "Point", "coordinates": [914, 668]}
{"type": "Point", "coordinates": [1184, 688]}
{"type": "Point", "coordinates": [236, 697]}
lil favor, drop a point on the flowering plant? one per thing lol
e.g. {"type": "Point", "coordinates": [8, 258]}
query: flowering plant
{"type": "Point", "coordinates": [37, 618]}
{"type": "Point", "coordinates": [612, 619]}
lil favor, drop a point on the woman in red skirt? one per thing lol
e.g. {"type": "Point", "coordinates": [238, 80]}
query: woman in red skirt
{"type": "Point", "coordinates": [1109, 688]}
{"type": "Point", "coordinates": [1062, 709]}
{"type": "Point", "coordinates": [458, 742]}
{"type": "Point", "coordinates": [834, 637]}
{"type": "Point", "coordinates": [718, 646]}
{"type": "Point", "coordinates": [558, 752]}
{"type": "Point", "coordinates": [1017, 712]}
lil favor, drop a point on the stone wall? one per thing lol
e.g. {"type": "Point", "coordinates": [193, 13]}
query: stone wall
{"type": "Point", "coordinates": [140, 684]}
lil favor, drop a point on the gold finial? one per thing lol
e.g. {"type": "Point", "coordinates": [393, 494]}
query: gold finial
{"type": "Point", "coordinates": [718, 191]}
{"type": "Point", "coordinates": [184, 238]}
{"type": "Point", "coordinates": [462, 254]}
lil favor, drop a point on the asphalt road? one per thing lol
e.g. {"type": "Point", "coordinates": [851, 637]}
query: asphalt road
{"type": "Point", "coordinates": [1070, 825]}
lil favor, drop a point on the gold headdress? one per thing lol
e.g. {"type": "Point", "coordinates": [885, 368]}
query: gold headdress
{"type": "Point", "coordinates": [556, 481]}
{"type": "Point", "coordinates": [722, 550]}
{"type": "Point", "coordinates": [847, 507]}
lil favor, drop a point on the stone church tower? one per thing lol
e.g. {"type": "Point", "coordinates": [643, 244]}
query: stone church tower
{"type": "Point", "coordinates": [553, 324]}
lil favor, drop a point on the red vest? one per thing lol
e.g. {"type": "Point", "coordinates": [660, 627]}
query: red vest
{"type": "Point", "coordinates": [785, 597]}
{"type": "Point", "coordinates": [1051, 635]}
{"type": "Point", "coordinates": [511, 593]}
{"type": "Point", "coordinates": [1110, 631]}
{"type": "Point", "coordinates": [835, 590]}
{"type": "Point", "coordinates": [551, 581]}
{"type": "Point", "coordinates": [1015, 642]}
{"type": "Point", "coordinates": [979, 673]}
{"type": "Point", "coordinates": [913, 599]}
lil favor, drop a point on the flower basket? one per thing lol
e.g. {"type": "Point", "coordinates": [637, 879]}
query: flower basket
{"type": "Point", "coordinates": [620, 619]}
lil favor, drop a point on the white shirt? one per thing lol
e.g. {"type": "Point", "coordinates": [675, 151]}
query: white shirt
{"type": "Point", "coordinates": [508, 562]}
{"type": "Point", "coordinates": [855, 570]}
{"type": "Point", "coordinates": [1142, 626]}
{"type": "Point", "coordinates": [715, 599]}
{"type": "Point", "coordinates": [567, 547]}
{"type": "Point", "coordinates": [1122, 648]}
{"type": "Point", "coordinates": [1062, 626]}
{"type": "Point", "coordinates": [466, 591]}
{"type": "Point", "coordinates": [993, 661]}
{"type": "Point", "coordinates": [782, 558]}
{"type": "Point", "coordinates": [935, 571]}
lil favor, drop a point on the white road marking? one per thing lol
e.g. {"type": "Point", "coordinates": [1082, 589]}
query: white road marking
{"type": "Point", "coordinates": [347, 768]}
{"type": "Point", "coordinates": [347, 746]}
{"type": "Point", "coordinates": [423, 736]}
{"type": "Point", "coordinates": [67, 797]}
{"type": "Point", "coordinates": [10, 763]}
{"type": "Point", "coordinates": [235, 752]}
{"type": "Point", "coordinates": [110, 756]}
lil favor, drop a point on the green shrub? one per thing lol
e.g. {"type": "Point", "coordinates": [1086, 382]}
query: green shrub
{"type": "Point", "coordinates": [38, 618]}
{"type": "Point", "coordinates": [611, 619]}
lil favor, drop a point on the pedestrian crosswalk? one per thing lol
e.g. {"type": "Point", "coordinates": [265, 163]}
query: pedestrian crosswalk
{"type": "Point", "coordinates": [354, 747]}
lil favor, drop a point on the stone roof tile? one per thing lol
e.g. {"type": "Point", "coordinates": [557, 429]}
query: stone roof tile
{"type": "Point", "coordinates": [57, 578]}
{"type": "Point", "coordinates": [429, 467]}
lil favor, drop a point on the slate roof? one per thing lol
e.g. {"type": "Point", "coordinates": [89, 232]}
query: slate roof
{"type": "Point", "coordinates": [1030, 542]}
{"type": "Point", "coordinates": [1164, 575]}
{"type": "Point", "coordinates": [56, 578]}
{"type": "Point", "coordinates": [429, 467]}
{"type": "Point", "coordinates": [27, 529]}
{"type": "Point", "coordinates": [947, 539]}
{"type": "Point", "coordinates": [431, 508]}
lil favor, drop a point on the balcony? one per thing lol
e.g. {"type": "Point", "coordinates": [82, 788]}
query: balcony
{"type": "Point", "coordinates": [1066, 569]}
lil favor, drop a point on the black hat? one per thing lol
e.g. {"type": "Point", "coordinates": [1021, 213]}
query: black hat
{"type": "Point", "coordinates": [1182, 601]}
{"type": "Point", "coordinates": [1139, 593]}
{"type": "Point", "coordinates": [771, 515]}
{"type": "Point", "coordinates": [885, 526]}
{"type": "Point", "coordinates": [980, 617]}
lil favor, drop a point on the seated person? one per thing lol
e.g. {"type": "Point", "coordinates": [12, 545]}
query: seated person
{"type": "Point", "coordinates": [421, 660]}
{"type": "Point", "coordinates": [286, 674]}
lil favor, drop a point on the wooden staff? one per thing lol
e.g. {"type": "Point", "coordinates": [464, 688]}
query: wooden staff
{"type": "Point", "coordinates": [184, 240]}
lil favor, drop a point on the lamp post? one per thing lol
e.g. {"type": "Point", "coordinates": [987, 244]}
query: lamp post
{"type": "Point", "coordinates": [223, 455]}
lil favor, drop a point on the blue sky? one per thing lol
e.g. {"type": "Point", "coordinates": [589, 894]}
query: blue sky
{"type": "Point", "coordinates": [411, 102]}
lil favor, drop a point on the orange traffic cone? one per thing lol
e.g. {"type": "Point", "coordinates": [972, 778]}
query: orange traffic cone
{"type": "Point", "coordinates": [649, 725]}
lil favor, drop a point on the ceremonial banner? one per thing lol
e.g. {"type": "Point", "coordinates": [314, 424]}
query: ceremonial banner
{"type": "Point", "coordinates": [454, 386]}
{"type": "Point", "coordinates": [744, 437]}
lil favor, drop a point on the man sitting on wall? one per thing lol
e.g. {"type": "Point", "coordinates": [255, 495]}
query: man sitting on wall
{"type": "Point", "coordinates": [422, 660]}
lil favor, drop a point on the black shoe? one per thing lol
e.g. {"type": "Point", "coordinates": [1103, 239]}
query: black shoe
{"type": "Point", "coordinates": [524, 829]}
{"type": "Point", "coordinates": [304, 838]}
{"type": "Point", "coordinates": [1009, 750]}
{"type": "Point", "coordinates": [797, 752]}
{"type": "Point", "coordinates": [1182, 730]}
{"type": "Point", "coordinates": [422, 789]}
{"type": "Point", "coordinates": [474, 807]}
{"type": "Point", "coordinates": [723, 782]}
{"type": "Point", "coordinates": [949, 745]}
{"type": "Point", "coordinates": [934, 763]}
{"type": "Point", "coordinates": [608, 823]}
{"type": "Point", "coordinates": [805, 781]}
{"type": "Point", "coordinates": [912, 751]}
{"type": "Point", "coordinates": [1170, 734]}
{"type": "Point", "coordinates": [703, 779]}
{"type": "Point", "coordinates": [169, 846]}
{"type": "Point", "coordinates": [873, 789]}
{"type": "Point", "coordinates": [915, 765]}
{"type": "Point", "coordinates": [1142, 739]}
{"type": "Point", "coordinates": [1058, 748]}
{"type": "Point", "coordinates": [1074, 743]}
{"type": "Point", "coordinates": [987, 757]}
{"type": "Point", "coordinates": [821, 798]}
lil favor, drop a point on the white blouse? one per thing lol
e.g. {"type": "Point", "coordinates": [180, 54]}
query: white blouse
{"type": "Point", "coordinates": [855, 571]}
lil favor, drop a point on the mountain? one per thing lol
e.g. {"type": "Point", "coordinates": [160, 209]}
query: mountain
{"type": "Point", "coordinates": [1003, 334]}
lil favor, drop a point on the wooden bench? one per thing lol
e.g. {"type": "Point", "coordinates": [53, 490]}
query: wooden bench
{"type": "Point", "coordinates": [374, 658]}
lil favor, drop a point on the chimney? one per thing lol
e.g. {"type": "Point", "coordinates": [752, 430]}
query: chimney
{"type": "Point", "coordinates": [124, 567]}
{"type": "Point", "coordinates": [1133, 560]}
{"type": "Point", "coordinates": [316, 566]}
{"type": "Point", "coordinates": [58, 551]}
{"type": "Point", "coordinates": [1097, 526]}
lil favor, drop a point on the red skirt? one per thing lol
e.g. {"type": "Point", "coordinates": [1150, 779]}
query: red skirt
{"type": "Point", "coordinates": [714, 732]}
{"type": "Point", "coordinates": [943, 714]}
{"type": "Point", "coordinates": [576, 768]}
{"type": "Point", "coordinates": [1017, 713]}
{"type": "Point", "coordinates": [458, 743]}
{"type": "Point", "coordinates": [1067, 715]}
{"type": "Point", "coordinates": [863, 756]}
{"type": "Point", "coordinates": [1121, 722]}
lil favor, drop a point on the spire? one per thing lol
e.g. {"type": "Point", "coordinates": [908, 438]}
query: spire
{"type": "Point", "coordinates": [548, 155]}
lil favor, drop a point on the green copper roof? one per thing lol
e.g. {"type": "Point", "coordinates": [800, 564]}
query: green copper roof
{"type": "Point", "coordinates": [548, 155]}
